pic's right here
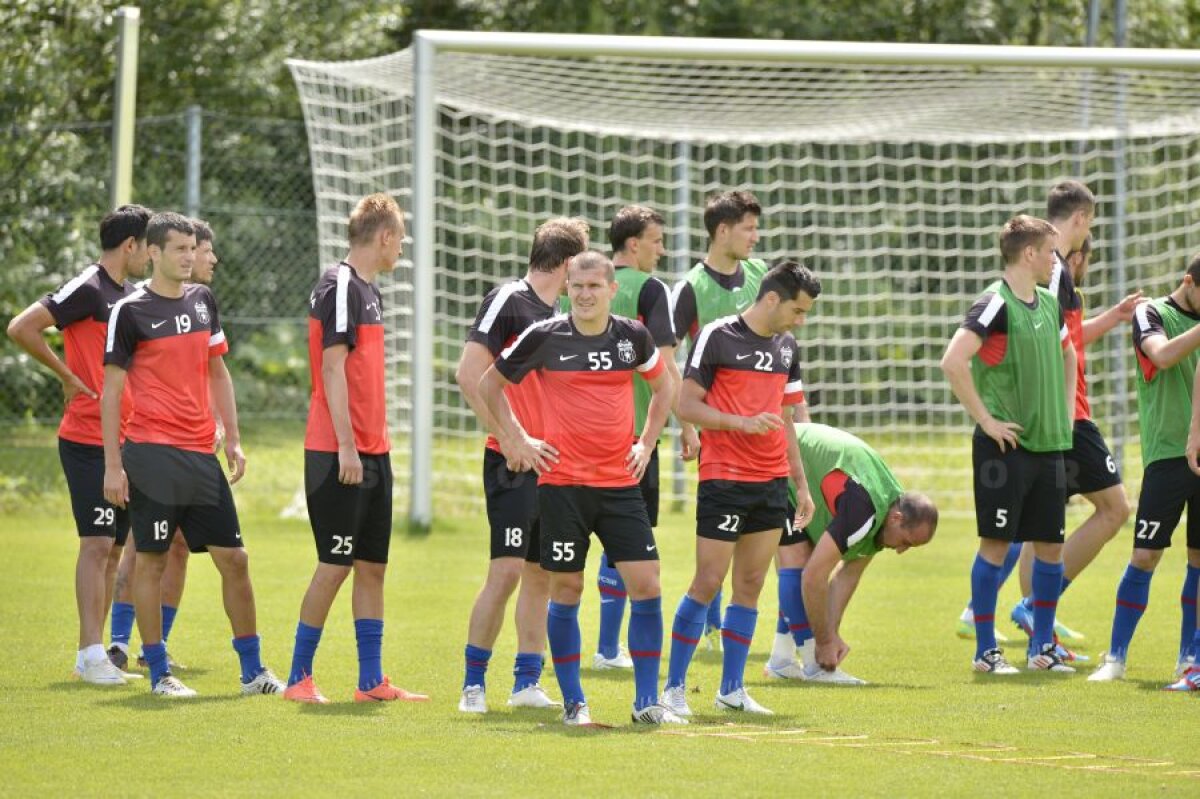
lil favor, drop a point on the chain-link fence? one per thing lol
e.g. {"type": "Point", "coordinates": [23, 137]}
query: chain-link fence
{"type": "Point", "coordinates": [248, 177]}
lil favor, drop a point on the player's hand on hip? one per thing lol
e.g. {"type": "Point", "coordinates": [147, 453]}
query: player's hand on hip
{"type": "Point", "coordinates": [804, 508]}
{"type": "Point", "coordinates": [1001, 432]}
{"type": "Point", "coordinates": [689, 441]}
{"type": "Point", "coordinates": [637, 460]}
{"type": "Point", "coordinates": [1126, 307]}
{"type": "Point", "coordinates": [73, 385]}
{"type": "Point", "coordinates": [236, 460]}
{"type": "Point", "coordinates": [538, 455]}
{"type": "Point", "coordinates": [116, 487]}
{"type": "Point", "coordinates": [350, 468]}
{"type": "Point", "coordinates": [760, 424]}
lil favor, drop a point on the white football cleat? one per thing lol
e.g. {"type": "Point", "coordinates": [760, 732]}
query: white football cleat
{"type": "Point", "coordinates": [172, 688]}
{"type": "Point", "coordinates": [994, 662]}
{"type": "Point", "coordinates": [1048, 659]}
{"type": "Point", "coordinates": [577, 714]}
{"type": "Point", "coordinates": [532, 696]}
{"type": "Point", "coordinates": [791, 670]}
{"type": "Point", "coordinates": [1110, 669]}
{"type": "Point", "coordinates": [657, 714]}
{"type": "Point", "coordinates": [740, 700]}
{"type": "Point", "coordinates": [474, 700]}
{"type": "Point", "coordinates": [621, 661]}
{"type": "Point", "coordinates": [676, 700]}
{"type": "Point", "coordinates": [835, 677]}
{"type": "Point", "coordinates": [101, 671]}
{"type": "Point", "coordinates": [264, 682]}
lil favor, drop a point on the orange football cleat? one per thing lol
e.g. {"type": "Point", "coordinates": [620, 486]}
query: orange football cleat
{"type": "Point", "coordinates": [386, 692]}
{"type": "Point", "coordinates": [305, 691]}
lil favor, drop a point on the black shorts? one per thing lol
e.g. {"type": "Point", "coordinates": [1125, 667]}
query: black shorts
{"type": "Point", "coordinates": [791, 533]}
{"type": "Point", "coordinates": [726, 509]}
{"type": "Point", "coordinates": [349, 522]}
{"type": "Point", "coordinates": [1089, 464]}
{"type": "Point", "coordinates": [1019, 495]}
{"type": "Point", "coordinates": [83, 466]}
{"type": "Point", "coordinates": [512, 509]}
{"type": "Point", "coordinates": [1167, 486]}
{"type": "Point", "coordinates": [173, 488]}
{"type": "Point", "coordinates": [616, 515]}
{"type": "Point", "coordinates": [649, 487]}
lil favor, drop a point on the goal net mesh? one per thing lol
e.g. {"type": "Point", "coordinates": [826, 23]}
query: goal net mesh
{"type": "Point", "coordinates": [891, 183]}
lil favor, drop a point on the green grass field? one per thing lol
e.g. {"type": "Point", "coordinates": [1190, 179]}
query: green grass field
{"type": "Point", "coordinates": [925, 725]}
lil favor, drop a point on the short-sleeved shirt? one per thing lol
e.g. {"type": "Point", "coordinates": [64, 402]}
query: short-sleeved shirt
{"type": "Point", "coordinates": [988, 319]}
{"type": "Point", "coordinates": [1147, 322]}
{"type": "Point", "coordinates": [744, 374]}
{"type": "Point", "coordinates": [688, 316]}
{"type": "Point", "coordinates": [853, 510]}
{"type": "Point", "coordinates": [1062, 286]}
{"type": "Point", "coordinates": [81, 309]}
{"type": "Point", "coordinates": [587, 389]}
{"type": "Point", "coordinates": [506, 312]}
{"type": "Point", "coordinates": [346, 310]}
{"type": "Point", "coordinates": [165, 345]}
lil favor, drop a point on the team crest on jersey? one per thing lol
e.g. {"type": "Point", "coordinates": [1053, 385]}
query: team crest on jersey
{"type": "Point", "coordinates": [625, 350]}
{"type": "Point", "coordinates": [202, 313]}
{"type": "Point", "coordinates": [785, 356]}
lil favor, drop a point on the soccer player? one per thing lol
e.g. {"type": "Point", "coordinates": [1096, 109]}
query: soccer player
{"type": "Point", "coordinates": [860, 510]}
{"type": "Point", "coordinates": [347, 466]}
{"type": "Point", "coordinates": [1165, 338]}
{"type": "Point", "coordinates": [175, 573]}
{"type": "Point", "coordinates": [1012, 366]}
{"type": "Point", "coordinates": [166, 342]}
{"type": "Point", "coordinates": [587, 361]}
{"type": "Point", "coordinates": [740, 386]}
{"type": "Point", "coordinates": [81, 309]}
{"type": "Point", "coordinates": [636, 236]}
{"type": "Point", "coordinates": [511, 488]}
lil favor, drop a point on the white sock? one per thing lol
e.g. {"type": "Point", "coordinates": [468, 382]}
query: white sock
{"type": "Point", "coordinates": [784, 650]}
{"type": "Point", "coordinates": [967, 615]}
{"type": "Point", "coordinates": [123, 647]}
{"type": "Point", "coordinates": [79, 660]}
{"type": "Point", "coordinates": [93, 653]}
{"type": "Point", "coordinates": [808, 653]}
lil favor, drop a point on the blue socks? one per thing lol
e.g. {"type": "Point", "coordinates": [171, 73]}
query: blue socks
{"type": "Point", "coordinates": [791, 606]}
{"type": "Point", "coordinates": [645, 648]}
{"type": "Point", "coordinates": [1047, 585]}
{"type": "Point", "coordinates": [168, 621]}
{"type": "Point", "coordinates": [477, 664]}
{"type": "Point", "coordinates": [714, 612]}
{"type": "Point", "coordinates": [369, 635]}
{"type": "Point", "coordinates": [1187, 603]}
{"type": "Point", "coordinates": [527, 670]}
{"type": "Point", "coordinates": [612, 608]}
{"type": "Point", "coordinates": [307, 639]}
{"type": "Point", "coordinates": [736, 635]}
{"type": "Point", "coordinates": [1011, 558]}
{"type": "Point", "coordinates": [156, 657]}
{"type": "Point", "coordinates": [247, 648]}
{"type": "Point", "coordinates": [562, 630]}
{"type": "Point", "coordinates": [122, 622]}
{"type": "Point", "coordinates": [1133, 593]}
{"type": "Point", "coordinates": [685, 635]}
{"type": "Point", "coordinates": [985, 585]}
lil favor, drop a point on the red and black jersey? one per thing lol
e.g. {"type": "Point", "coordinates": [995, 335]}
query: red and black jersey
{"type": "Point", "coordinates": [81, 308]}
{"type": "Point", "coordinates": [851, 506]}
{"type": "Point", "coordinates": [587, 390]}
{"type": "Point", "coordinates": [1062, 286]}
{"type": "Point", "coordinates": [988, 319]}
{"type": "Point", "coordinates": [165, 345]}
{"type": "Point", "coordinates": [346, 310]}
{"type": "Point", "coordinates": [506, 312]}
{"type": "Point", "coordinates": [745, 374]}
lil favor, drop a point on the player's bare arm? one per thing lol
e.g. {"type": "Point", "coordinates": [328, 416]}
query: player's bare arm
{"type": "Point", "coordinates": [337, 396]}
{"type": "Point", "coordinates": [693, 409]}
{"type": "Point", "coordinates": [519, 447]}
{"type": "Point", "coordinates": [221, 389]}
{"type": "Point", "coordinates": [116, 484]}
{"type": "Point", "coordinates": [1101, 323]}
{"type": "Point", "coordinates": [27, 331]}
{"type": "Point", "coordinates": [663, 387]}
{"type": "Point", "coordinates": [473, 362]}
{"type": "Point", "coordinates": [1192, 451]}
{"type": "Point", "coordinates": [830, 648]}
{"type": "Point", "coordinates": [956, 365]}
{"type": "Point", "coordinates": [1165, 353]}
{"type": "Point", "coordinates": [1070, 363]}
{"type": "Point", "coordinates": [804, 503]}
{"type": "Point", "coordinates": [842, 586]}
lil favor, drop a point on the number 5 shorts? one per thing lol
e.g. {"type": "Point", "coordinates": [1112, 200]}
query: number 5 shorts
{"type": "Point", "coordinates": [1019, 495]}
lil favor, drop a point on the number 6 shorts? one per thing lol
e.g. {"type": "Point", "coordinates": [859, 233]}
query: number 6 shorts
{"type": "Point", "coordinates": [570, 514]}
{"type": "Point", "coordinates": [349, 522]}
{"type": "Point", "coordinates": [172, 488]}
{"type": "Point", "coordinates": [1019, 495]}
{"type": "Point", "coordinates": [512, 509]}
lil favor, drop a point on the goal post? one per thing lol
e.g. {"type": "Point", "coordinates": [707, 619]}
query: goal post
{"type": "Point", "coordinates": [888, 168]}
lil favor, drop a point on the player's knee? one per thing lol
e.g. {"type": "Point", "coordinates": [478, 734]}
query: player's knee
{"type": "Point", "coordinates": [504, 575]}
{"type": "Point", "coordinates": [95, 550]}
{"type": "Point", "coordinates": [794, 556]}
{"type": "Point", "coordinates": [566, 588]}
{"type": "Point", "coordinates": [705, 586]}
{"type": "Point", "coordinates": [1146, 559]}
{"type": "Point", "coordinates": [330, 576]}
{"type": "Point", "coordinates": [643, 584]}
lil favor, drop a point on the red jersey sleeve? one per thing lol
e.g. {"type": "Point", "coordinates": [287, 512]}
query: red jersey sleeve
{"type": "Point", "coordinates": [526, 353]}
{"type": "Point", "coordinates": [217, 345]}
{"type": "Point", "coordinates": [793, 391]}
{"type": "Point", "coordinates": [650, 364]}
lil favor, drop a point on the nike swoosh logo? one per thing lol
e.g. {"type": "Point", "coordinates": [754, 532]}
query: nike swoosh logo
{"type": "Point", "coordinates": [1039, 324]}
{"type": "Point", "coordinates": [157, 325]}
{"type": "Point", "coordinates": [744, 357]}
{"type": "Point", "coordinates": [567, 357]}
{"type": "Point", "coordinates": [111, 304]}
{"type": "Point", "coordinates": [651, 548]}
{"type": "Point", "coordinates": [606, 601]}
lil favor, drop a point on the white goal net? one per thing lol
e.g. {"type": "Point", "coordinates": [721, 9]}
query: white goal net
{"type": "Point", "coordinates": [889, 181]}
